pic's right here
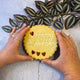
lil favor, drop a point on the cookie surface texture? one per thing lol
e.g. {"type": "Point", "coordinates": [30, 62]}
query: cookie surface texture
{"type": "Point", "coordinates": [40, 42]}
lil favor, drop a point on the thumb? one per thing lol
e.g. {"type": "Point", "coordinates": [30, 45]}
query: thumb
{"type": "Point", "coordinates": [50, 62]}
{"type": "Point", "coordinates": [24, 58]}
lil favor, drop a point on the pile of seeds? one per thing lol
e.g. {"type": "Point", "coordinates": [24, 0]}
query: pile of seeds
{"type": "Point", "coordinates": [46, 13]}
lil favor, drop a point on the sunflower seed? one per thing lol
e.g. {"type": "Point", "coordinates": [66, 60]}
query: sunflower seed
{"type": "Point", "coordinates": [49, 4]}
{"type": "Point", "coordinates": [72, 3]}
{"type": "Point", "coordinates": [46, 21]}
{"type": "Point", "coordinates": [21, 18]}
{"type": "Point", "coordinates": [32, 23]}
{"type": "Point", "coordinates": [40, 21]}
{"type": "Point", "coordinates": [7, 29]}
{"type": "Point", "coordinates": [39, 3]}
{"type": "Point", "coordinates": [58, 25]}
{"type": "Point", "coordinates": [77, 1]}
{"type": "Point", "coordinates": [60, 19]}
{"type": "Point", "coordinates": [44, 9]}
{"type": "Point", "coordinates": [53, 12]}
{"type": "Point", "coordinates": [77, 8]}
{"type": "Point", "coordinates": [30, 11]}
{"type": "Point", "coordinates": [70, 21]}
{"type": "Point", "coordinates": [13, 22]}
{"type": "Point", "coordinates": [32, 17]}
{"type": "Point", "coordinates": [66, 8]}
{"type": "Point", "coordinates": [59, 7]}
{"type": "Point", "coordinates": [39, 13]}
{"type": "Point", "coordinates": [50, 18]}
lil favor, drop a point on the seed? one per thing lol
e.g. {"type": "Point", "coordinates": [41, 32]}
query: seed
{"type": "Point", "coordinates": [66, 8]}
{"type": "Point", "coordinates": [40, 21]}
{"type": "Point", "coordinates": [50, 18]}
{"type": "Point", "coordinates": [77, 8]}
{"type": "Point", "coordinates": [39, 3]}
{"type": "Point", "coordinates": [13, 22]}
{"type": "Point", "coordinates": [32, 23]}
{"type": "Point", "coordinates": [38, 13]}
{"type": "Point", "coordinates": [53, 12]}
{"type": "Point", "coordinates": [44, 9]}
{"type": "Point", "coordinates": [60, 19]}
{"type": "Point", "coordinates": [77, 1]}
{"type": "Point", "coordinates": [7, 29]}
{"type": "Point", "coordinates": [20, 18]}
{"type": "Point", "coordinates": [73, 3]}
{"type": "Point", "coordinates": [50, 4]}
{"type": "Point", "coordinates": [59, 7]}
{"type": "Point", "coordinates": [32, 17]}
{"type": "Point", "coordinates": [46, 21]}
{"type": "Point", "coordinates": [58, 25]}
{"type": "Point", "coordinates": [70, 21]}
{"type": "Point", "coordinates": [30, 11]}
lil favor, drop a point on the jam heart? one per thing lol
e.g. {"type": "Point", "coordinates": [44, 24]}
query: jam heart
{"type": "Point", "coordinates": [32, 33]}
{"type": "Point", "coordinates": [33, 52]}
{"type": "Point", "coordinates": [38, 53]}
{"type": "Point", "coordinates": [44, 53]}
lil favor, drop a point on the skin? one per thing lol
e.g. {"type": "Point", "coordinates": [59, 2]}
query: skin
{"type": "Point", "coordinates": [68, 61]}
{"type": "Point", "coordinates": [10, 53]}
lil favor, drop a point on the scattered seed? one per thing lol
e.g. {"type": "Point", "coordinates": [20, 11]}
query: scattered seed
{"type": "Point", "coordinates": [7, 29]}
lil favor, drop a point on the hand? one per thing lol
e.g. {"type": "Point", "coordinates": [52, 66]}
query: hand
{"type": "Point", "coordinates": [68, 61]}
{"type": "Point", "coordinates": [10, 53]}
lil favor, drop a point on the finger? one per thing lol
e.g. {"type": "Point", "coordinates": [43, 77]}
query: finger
{"type": "Point", "coordinates": [72, 42]}
{"type": "Point", "coordinates": [64, 35]}
{"type": "Point", "coordinates": [66, 38]}
{"type": "Point", "coordinates": [24, 57]}
{"type": "Point", "coordinates": [21, 28]}
{"type": "Point", "coordinates": [50, 62]}
{"type": "Point", "coordinates": [22, 33]}
{"type": "Point", "coordinates": [60, 39]}
{"type": "Point", "coordinates": [13, 31]}
{"type": "Point", "coordinates": [71, 39]}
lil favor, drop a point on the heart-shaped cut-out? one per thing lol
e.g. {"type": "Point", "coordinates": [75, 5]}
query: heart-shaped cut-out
{"type": "Point", "coordinates": [44, 53]}
{"type": "Point", "coordinates": [32, 33]}
{"type": "Point", "coordinates": [38, 53]}
{"type": "Point", "coordinates": [33, 52]}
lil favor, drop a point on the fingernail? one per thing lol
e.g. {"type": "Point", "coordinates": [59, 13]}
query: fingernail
{"type": "Point", "coordinates": [28, 26]}
{"type": "Point", "coordinates": [24, 24]}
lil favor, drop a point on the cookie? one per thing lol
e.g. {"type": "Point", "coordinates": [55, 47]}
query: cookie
{"type": "Point", "coordinates": [40, 42]}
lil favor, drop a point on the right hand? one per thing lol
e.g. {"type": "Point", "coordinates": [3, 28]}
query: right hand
{"type": "Point", "coordinates": [68, 61]}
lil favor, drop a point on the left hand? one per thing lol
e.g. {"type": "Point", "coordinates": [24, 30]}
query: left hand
{"type": "Point", "coordinates": [10, 53]}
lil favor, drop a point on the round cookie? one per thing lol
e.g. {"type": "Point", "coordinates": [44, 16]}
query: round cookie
{"type": "Point", "coordinates": [40, 42]}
